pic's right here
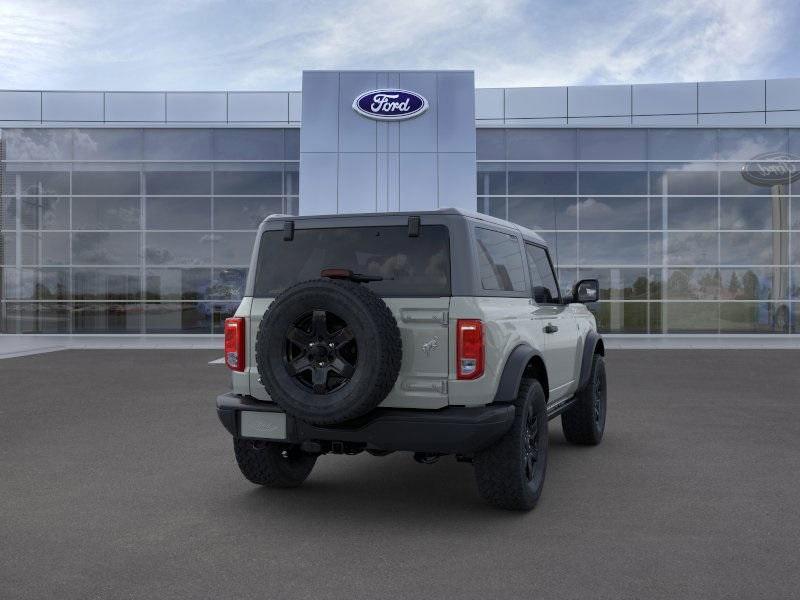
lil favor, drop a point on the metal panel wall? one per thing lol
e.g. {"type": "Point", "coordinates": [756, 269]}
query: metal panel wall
{"type": "Point", "coordinates": [351, 163]}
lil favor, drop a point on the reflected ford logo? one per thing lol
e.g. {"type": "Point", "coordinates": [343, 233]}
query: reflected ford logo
{"type": "Point", "coordinates": [390, 105]}
{"type": "Point", "coordinates": [772, 168]}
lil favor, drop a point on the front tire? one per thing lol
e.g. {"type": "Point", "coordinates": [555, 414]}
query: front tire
{"type": "Point", "coordinates": [510, 474]}
{"type": "Point", "coordinates": [585, 421]}
{"type": "Point", "coordinates": [272, 465]}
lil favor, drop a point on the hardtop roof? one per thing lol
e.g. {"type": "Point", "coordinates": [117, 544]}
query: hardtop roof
{"type": "Point", "coordinates": [523, 231]}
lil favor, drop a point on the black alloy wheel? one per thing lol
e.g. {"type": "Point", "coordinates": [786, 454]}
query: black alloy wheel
{"type": "Point", "coordinates": [530, 445]}
{"type": "Point", "coordinates": [321, 352]}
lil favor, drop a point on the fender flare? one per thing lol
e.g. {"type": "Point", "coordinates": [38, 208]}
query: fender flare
{"type": "Point", "coordinates": [592, 340]}
{"type": "Point", "coordinates": [511, 378]}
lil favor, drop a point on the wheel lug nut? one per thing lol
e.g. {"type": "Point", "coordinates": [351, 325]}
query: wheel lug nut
{"type": "Point", "coordinates": [331, 344]}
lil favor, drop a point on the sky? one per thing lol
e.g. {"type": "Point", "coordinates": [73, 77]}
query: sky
{"type": "Point", "coordinates": [265, 45]}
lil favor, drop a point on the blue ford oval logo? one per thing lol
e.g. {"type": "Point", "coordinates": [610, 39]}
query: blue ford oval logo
{"type": "Point", "coordinates": [390, 105]}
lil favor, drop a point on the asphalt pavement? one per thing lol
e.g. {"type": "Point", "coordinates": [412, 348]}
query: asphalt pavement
{"type": "Point", "coordinates": [117, 481]}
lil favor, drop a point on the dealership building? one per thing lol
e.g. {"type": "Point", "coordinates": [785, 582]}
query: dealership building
{"type": "Point", "coordinates": [135, 212]}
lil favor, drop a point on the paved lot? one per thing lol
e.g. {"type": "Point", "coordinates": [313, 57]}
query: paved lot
{"type": "Point", "coordinates": [116, 481]}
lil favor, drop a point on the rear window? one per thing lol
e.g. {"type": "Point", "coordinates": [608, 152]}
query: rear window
{"type": "Point", "coordinates": [410, 266]}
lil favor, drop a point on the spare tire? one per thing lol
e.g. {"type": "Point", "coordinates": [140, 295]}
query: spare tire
{"type": "Point", "coordinates": [328, 350]}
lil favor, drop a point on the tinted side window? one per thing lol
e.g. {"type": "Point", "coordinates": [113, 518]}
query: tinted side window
{"type": "Point", "coordinates": [545, 288]}
{"type": "Point", "coordinates": [500, 261]}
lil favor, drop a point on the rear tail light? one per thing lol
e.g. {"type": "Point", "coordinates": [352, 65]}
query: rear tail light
{"type": "Point", "coordinates": [469, 349]}
{"type": "Point", "coordinates": [234, 343]}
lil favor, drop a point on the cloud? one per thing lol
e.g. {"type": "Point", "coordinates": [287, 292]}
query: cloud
{"type": "Point", "coordinates": [214, 44]}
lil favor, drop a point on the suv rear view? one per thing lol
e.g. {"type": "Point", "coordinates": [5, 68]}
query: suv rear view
{"type": "Point", "coordinates": [405, 332]}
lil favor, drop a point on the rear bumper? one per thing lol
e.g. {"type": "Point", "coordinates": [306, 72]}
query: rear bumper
{"type": "Point", "coordinates": [451, 430]}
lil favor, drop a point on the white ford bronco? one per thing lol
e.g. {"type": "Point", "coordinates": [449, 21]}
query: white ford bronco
{"type": "Point", "coordinates": [440, 332]}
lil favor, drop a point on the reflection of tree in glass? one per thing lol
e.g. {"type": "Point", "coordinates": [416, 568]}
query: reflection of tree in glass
{"type": "Point", "coordinates": [750, 285]}
{"type": "Point", "coordinates": [734, 286]}
{"type": "Point", "coordinates": [639, 288]}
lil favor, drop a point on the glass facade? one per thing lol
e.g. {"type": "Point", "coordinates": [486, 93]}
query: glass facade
{"type": "Point", "coordinates": [680, 240]}
{"type": "Point", "coordinates": [149, 230]}
{"type": "Point", "coordinates": [135, 230]}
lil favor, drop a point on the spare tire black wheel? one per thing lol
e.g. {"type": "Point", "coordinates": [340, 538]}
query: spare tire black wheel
{"type": "Point", "coordinates": [328, 351]}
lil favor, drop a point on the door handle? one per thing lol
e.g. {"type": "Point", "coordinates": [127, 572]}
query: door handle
{"type": "Point", "coordinates": [550, 328]}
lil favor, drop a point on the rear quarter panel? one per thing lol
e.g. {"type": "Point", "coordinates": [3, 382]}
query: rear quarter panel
{"type": "Point", "coordinates": [502, 333]}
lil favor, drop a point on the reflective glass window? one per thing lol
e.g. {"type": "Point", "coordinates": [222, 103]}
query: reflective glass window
{"type": "Point", "coordinates": [693, 284]}
{"type": "Point", "coordinates": [499, 261]}
{"type": "Point", "coordinates": [183, 317]}
{"type": "Point", "coordinates": [755, 283]}
{"type": "Point", "coordinates": [90, 212]}
{"type": "Point", "coordinates": [611, 182]}
{"type": "Point", "coordinates": [99, 183]}
{"type": "Point", "coordinates": [38, 144]}
{"type": "Point", "coordinates": [613, 248]}
{"type": "Point", "coordinates": [44, 212]}
{"type": "Point", "coordinates": [291, 144]}
{"type": "Point", "coordinates": [178, 284]}
{"type": "Point", "coordinates": [524, 180]}
{"type": "Point", "coordinates": [248, 144]}
{"type": "Point", "coordinates": [178, 183]}
{"type": "Point", "coordinates": [619, 284]}
{"type": "Point", "coordinates": [612, 213]}
{"type": "Point", "coordinates": [233, 248]}
{"type": "Point", "coordinates": [745, 144]}
{"type": "Point", "coordinates": [619, 317]}
{"type": "Point", "coordinates": [8, 248]}
{"type": "Point", "coordinates": [690, 317]}
{"type": "Point", "coordinates": [102, 317]}
{"type": "Point", "coordinates": [491, 144]}
{"type": "Point", "coordinates": [491, 179]}
{"type": "Point", "coordinates": [692, 248]}
{"type": "Point", "coordinates": [251, 183]}
{"type": "Point", "coordinates": [682, 144]}
{"type": "Point", "coordinates": [47, 248]}
{"type": "Point", "coordinates": [754, 317]}
{"type": "Point", "coordinates": [563, 247]}
{"type": "Point", "coordinates": [178, 213]}
{"type": "Point", "coordinates": [754, 212]}
{"type": "Point", "coordinates": [670, 180]}
{"type": "Point", "coordinates": [244, 213]}
{"type": "Point", "coordinates": [691, 213]}
{"type": "Point", "coordinates": [178, 144]}
{"type": "Point", "coordinates": [105, 248]}
{"type": "Point", "coordinates": [732, 181]}
{"type": "Point", "coordinates": [494, 207]}
{"type": "Point", "coordinates": [177, 248]}
{"type": "Point", "coordinates": [612, 144]}
{"type": "Point", "coordinates": [108, 144]}
{"type": "Point", "coordinates": [98, 283]}
{"type": "Point", "coordinates": [541, 144]}
{"type": "Point", "coordinates": [227, 284]}
{"type": "Point", "coordinates": [754, 248]}
{"type": "Point", "coordinates": [43, 183]}
{"type": "Point", "coordinates": [35, 317]}
{"type": "Point", "coordinates": [544, 213]}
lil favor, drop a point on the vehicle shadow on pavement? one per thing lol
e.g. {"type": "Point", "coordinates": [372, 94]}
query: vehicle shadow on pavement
{"type": "Point", "coordinates": [369, 488]}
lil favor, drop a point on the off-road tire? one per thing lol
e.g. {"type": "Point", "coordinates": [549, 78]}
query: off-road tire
{"type": "Point", "coordinates": [500, 470]}
{"type": "Point", "coordinates": [273, 465]}
{"type": "Point", "coordinates": [584, 422]}
{"type": "Point", "coordinates": [374, 331]}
